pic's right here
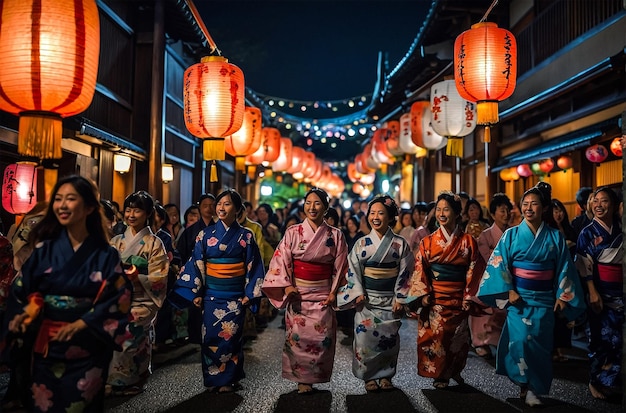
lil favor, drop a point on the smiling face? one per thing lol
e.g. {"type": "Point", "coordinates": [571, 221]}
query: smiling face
{"type": "Point", "coordinates": [445, 215]}
{"type": "Point", "coordinates": [378, 218]}
{"type": "Point", "coordinates": [558, 214]}
{"type": "Point", "coordinates": [502, 216]}
{"type": "Point", "coordinates": [69, 207]}
{"type": "Point", "coordinates": [226, 210]}
{"type": "Point", "coordinates": [136, 218]}
{"type": "Point", "coordinates": [603, 208]}
{"type": "Point", "coordinates": [174, 215]}
{"type": "Point", "coordinates": [473, 212]}
{"type": "Point", "coordinates": [532, 209]}
{"type": "Point", "coordinates": [314, 208]}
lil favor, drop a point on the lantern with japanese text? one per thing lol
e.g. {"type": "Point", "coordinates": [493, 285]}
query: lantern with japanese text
{"type": "Point", "coordinates": [422, 132]}
{"type": "Point", "coordinates": [405, 143]}
{"type": "Point", "coordinates": [19, 187]}
{"type": "Point", "coordinates": [452, 116]}
{"type": "Point", "coordinates": [616, 146]}
{"type": "Point", "coordinates": [50, 50]}
{"type": "Point", "coordinates": [564, 162]}
{"type": "Point", "coordinates": [596, 153]}
{"type": "Point", "coordinates": [485, 69]}
{"type": "Point", "coordinates": [247, 139]}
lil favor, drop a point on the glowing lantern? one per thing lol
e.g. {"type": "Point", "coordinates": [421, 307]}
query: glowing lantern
{"type": "Point", "coordinates": [513, 173]}
{"type": "Point", "coordinates": [564, 162]}
{"type": "Point", "coordinates": [379, 150]}
{"type": "Point", "coordinates": [485, 67]}
{"type": "Point", "coordinates": [214, 104]}
{"type": "Point", "coordinates": [247, 139]}
{"type": "Point", "coordinates": [505, 175]}
{"type": "Point", "coordinates": [353, 174]}
{"type": "Point", "coordinates": [357, 188]}
{"type": "Point", "coordinates": [546, 165]}
{"type": "Point", "coordinates": [19, 187]}
{"type": "Point", "coordinates": [416, 113]}
{"type": "Point", "coordinates": [368, 179]}
{"type": "Point", "coordinates": [596, 153]}
{"type": "Point", "coordinates": [284, 157]}
{"type": "Point", "coordinates": [297, 155]}
{"type": "Point", "coordinates": [616, 147]}
{"type": "Point", "coordinates": [524, 171]}
{"type": "Point", "coordinates": [308, 168]}
{"type": "Point", "coordinates": [534, 167]}
{"type": "Point", "coordinates": [452, 116]}
{"type": "Point", "coordinates": [319, 170]}
{"type": "Point", "coordinates": [50, 50]}
{"type": "Point", "coordinates": [269, 150]}
{"type": "Point", "coordinates": [405, 143]}
{"type": "Point", "coordinates": [422, 132]}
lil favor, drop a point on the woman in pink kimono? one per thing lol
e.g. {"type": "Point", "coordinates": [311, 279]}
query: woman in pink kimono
{"type": "Point", "coordinates": [303, 278]}
{"type": "Point", "coordinates": [147, 266]}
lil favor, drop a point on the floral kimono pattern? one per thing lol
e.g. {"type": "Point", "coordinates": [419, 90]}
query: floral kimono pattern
{"type": "Point", "coordinates": [311, 328]}
{"type": "Point", "coordinates": [86, 284]}
{"type": "Point", "coordinates": [600, 251]}
{"type": "Point", "coordinates": [540, 268]}
{"type": "Point", "coordinates": [448, 268]}
{"type": "Point", "coordinates": [147, 264]}
{"type": "Point", "coordinates": [225, 267]}
{"type": "Point", "coordinates": [379, 268]}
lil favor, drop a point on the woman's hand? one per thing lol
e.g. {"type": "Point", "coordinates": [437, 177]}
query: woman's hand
{"type": "Point", "coordinates": [197, 302]}
{"type": "Point", "coordinates": [17, 325]}
{"type": "Point", "coordinates": [397, 309]}
{"type": "Point", "coordinates": [514, 297]}
{"type": "Point", "coordinates": [329, 300]}
{"type": "Point", "coordinates": [245, 301]}
{"type": "Point", "coordinates": [66, 332]}
{"type": "Point", "coordinates": [291, 290]}
{"type": "Point", "coordinates": [360, 299]}
{"type": "Point", "coordinates": [466, 305]}
{"type": "Point", "coordinates": [595, 301]}
{"type": "Point", "coordinates": [559, 305]}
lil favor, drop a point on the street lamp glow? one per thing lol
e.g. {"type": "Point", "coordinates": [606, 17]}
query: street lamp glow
{"type": "Point", "coordinates": [384, 185]}
{"type": "Point", "coordinates": [266, 190]}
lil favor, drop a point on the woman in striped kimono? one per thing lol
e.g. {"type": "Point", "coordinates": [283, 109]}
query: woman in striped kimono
{"type": "Point", "coordinates": [448, 267]}
{"type": "Point", "coordinates": [308, 266]}
{"type": "Point", "coordinates": [531, 274]}
{"type": "Point", "coordinates": [223, 276]}
{"type": "Point", "coordinates": [380, 265]}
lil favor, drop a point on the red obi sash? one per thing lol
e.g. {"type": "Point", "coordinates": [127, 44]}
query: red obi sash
{"type": "Point", "coordinates": [48, 329]}
{"type": "Point", "coordinates": [311, 271]}
{"type": "Point", "coordinates": [610, 273]}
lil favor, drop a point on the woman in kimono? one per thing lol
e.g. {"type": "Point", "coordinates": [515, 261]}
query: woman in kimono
{"type": "Point", "coordinates": [147, 266]}
{"type": "Point", "coordinates": [448, 267]}
{"type": "Point", "coordinates": [223, 276]}
{"type": "Point", "coordinates": [599, 256]}
{"type": "Point", "coordinates": [308, 266]}
{"type": "Point", "coordinates": [75, 290]}
{"type": "Point", "coordinates": [531, 274]}
{"type": "Point", "coordinates": [380, 265]}
{"type": "Point", "coordinates": [486, 329]}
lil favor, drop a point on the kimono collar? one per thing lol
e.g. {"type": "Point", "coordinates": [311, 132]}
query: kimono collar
{"type": "Point", "coordinates": [308, 223]}
{"type": "Point", "coordinates": [603, 225]}
{"type": "Point", "coordinates": [445, 233]}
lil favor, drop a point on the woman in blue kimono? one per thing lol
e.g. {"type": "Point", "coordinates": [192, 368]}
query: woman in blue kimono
{"type": "Point", "coordinates": [380, 265]}
{"type": "Point", "coordinates": [531, 274]}
{"type": "Point", "coordinates": [599, 256]}
{"type": "Point", "coordinates": [223, 276]}
{"type": "Point", "coordinates": [73, 284]}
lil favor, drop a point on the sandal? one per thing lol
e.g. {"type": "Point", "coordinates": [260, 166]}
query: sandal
{"type": "Point", "coordinates": [386, 384]}
{"type": "Point", "coordinates": [226, 389]}
{"type": "Point", "coordinates": [441, 383]}
{"type": "Point", "coordinates": [126, 391]}
{"type": "Point", "coordinates": [304, 388]}
{"type": "Point", "coordinates": [371, 386]}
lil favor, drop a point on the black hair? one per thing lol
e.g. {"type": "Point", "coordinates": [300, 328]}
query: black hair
{"type": "Point", "coordinates": [332, 213]}
{"type": "Point", "coordinates": [499, 199]}
{"type": "Point", "coordinates": [323, 195]}
{"type": "Point", "coordinates": [615, 201]}
{"type": "Point", "coordinates": [544, 191]}
{"type": "Point", "coordinates": [188, 211]}
{"type": "Point", "coordinates": [390, 205]}
{"type": "Point", "coordinates": [420, 206]}
{"type": "Point", "coordinates": [107, 209]}
{"type": "Point", "coordinates": [162, 213]}
{"type": "Point", "coordinates": [142, 200]}
{"type": "Point", "coordinates": [453, 200]}
{"type": "Point", "coordinates": [568, 230]}
{"type": "Point", "coordinates": [205, 196]}
{"type": "Point", "coordinates": [234, 197]}
{"type": "Point", "coordinates": [582, 195]}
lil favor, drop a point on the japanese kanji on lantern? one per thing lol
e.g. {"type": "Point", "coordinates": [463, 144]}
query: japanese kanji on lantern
{"type": "Point", "coordinates": [485, 69]}
{"type": "Point", "coordinates": [50, 51]}
{"type": "Point", "coordinates": [247, 139]}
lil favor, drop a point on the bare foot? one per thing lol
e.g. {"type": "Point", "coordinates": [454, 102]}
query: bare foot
{"type": "Point", "coordinates": [596, 393]}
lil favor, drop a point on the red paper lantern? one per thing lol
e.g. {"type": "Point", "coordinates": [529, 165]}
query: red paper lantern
{"type": "Point", "coordinates": [485, 67]}
{"type": "Point", "coordinates": [616, 147]}
{"type": "Point", "coordinates": [564, 162]}
{"type": "Point", "coordinates": [269, 150]}
{"type": "Point", "coordinates": [283, 162]}
{"type": "Point", "coordinates": [596, 153]}
{"type": "Point", "coordinates": [247, 139]}
{"type": "Point", "coordinates": [297, 155]}
{"type": "Point", "coordinates": [19, 187]}
{"type": "Point", "coordinates": [353, 175]}
{"type": "Point", "coordinates": [546, 165]}
{"type": "Point", "coordinates": [50, 51]}
{"type": "Point", "coordinates": [214, 102]}
{"type": "Point", "coordinates": [524, 170]}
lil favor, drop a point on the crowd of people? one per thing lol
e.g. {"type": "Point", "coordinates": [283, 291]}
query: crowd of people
{"type": "Point", "coordinates": [89, 291]}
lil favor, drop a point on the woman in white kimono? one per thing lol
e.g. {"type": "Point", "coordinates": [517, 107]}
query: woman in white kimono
{"type": "Point", "coordinates": [303, 277]}
{"type": "Point", "coordinates": [380, 265]}
{"type": "Point", "coordinates": [147, 266]}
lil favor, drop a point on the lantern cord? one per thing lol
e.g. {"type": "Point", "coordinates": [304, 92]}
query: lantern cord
{"type": "Point", "coordinates": [493, 4]}
{"type": "Point", "coordinates": [205, 31]}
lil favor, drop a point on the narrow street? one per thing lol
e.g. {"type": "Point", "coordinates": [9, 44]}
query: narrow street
{"type": "Point", "coordinates": [176, 386]}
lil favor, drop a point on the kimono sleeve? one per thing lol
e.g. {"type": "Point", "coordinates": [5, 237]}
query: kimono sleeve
{"type": "Point", "coordinates": [405, 270]}
{"type": "Point", "coordinates": [419, 283]}
{"type": "Point", "coordinates": [190, 281]}
{"type": "Point", "coordinates": [568, 287]}
{"type": "Point", "coordinates": [341, 261]}
{"type": "Point", "coordinates": [155, 282]}
{"type": "Point", "coordinates": [497, 280]}
{"type": "Point", "coordinates": [584, 254]}
{"type": "Point", "coordinates": [280, 271]}
{"type": "Point", "coordinates": [353, 287]}
{"type": "Point", "coordinates": [254, 267]}
{"type": "Point", "coordinates": [475, 270]}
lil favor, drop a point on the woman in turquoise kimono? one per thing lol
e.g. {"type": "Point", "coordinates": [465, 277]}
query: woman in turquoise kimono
{"type": "Point", "coordinates": [223, 276]}
{"type": "Point", "coordinates": [147, 263]}
{"type": "Point", "coordinates": [74, 288]}
{"type": "Point", "coordinates": [599, 256]}
{"type": "Point", "coordinates": [380, 265]}
{"type": "Point", "coordinates": [531, 274]}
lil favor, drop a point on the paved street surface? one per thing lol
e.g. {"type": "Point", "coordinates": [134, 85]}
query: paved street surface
{"type": "Point", "coordinates": [176, 386]}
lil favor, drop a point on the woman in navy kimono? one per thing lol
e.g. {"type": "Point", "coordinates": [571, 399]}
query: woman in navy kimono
{"type": "Point", "coordinates": [73, 284]}
{"type": "Point", "coordinates": [223, 276]}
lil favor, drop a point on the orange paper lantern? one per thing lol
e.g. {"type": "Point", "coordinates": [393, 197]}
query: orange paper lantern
{"type": "Point", "coordinates": [247, 139]}
{"type": "Point", "coordinates": [50, 51]}
{"type": "Point", "coordinates": [546, 165]}
{"type": "Point", "coordinates": [269, 150]}
{"type": "Point", "coordinates": [616, 146]}
{"type": "Point", "coordinates": [19, 187]}
{"type": "Point", "coordinates": [485, 69]}
{"type": "Point", "coordinates": [564, 162]}
{"type": "Point", "coordinates": [283, 162]}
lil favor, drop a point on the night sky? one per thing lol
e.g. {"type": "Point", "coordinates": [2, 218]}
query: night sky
{"type": "Point", "coordinates": [312, 50]}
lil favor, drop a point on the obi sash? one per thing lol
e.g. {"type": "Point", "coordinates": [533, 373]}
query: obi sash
{"type": "Point", "coordinates": [380, 277]}
{"type": "Point", "coordinates": [225, 274]}
{"type": "Point", "coordinates": [448, 272]}
{"type": "Point", "coordinates": [311, 273]}
{"type": "Point", "coordinates": [537, 280]}
{"type": "Point", "coordinates": [610, 279]}
{"type": "Point", "coordinates": [49, 328]}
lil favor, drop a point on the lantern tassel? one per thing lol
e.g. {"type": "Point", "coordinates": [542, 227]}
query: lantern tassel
{"type": "Point", "coordinates": [214, 149]}
{"type": "Point", "coordinates": [454, 147]}
{"type": "Point", "coordinates": [487, 134]}
{"type": "Point", "coordinates": [213, 177]}
{"type": "Point", "coordinates": [240, 163]}
{"type": "Point", "coordinates": [487, 113]}
{"type": "Point", "coordinates": [39, 135]}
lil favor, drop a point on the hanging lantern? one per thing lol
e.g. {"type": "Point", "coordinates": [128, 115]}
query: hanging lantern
{"type": "Point", "coordinates": [417, 112]}
{"type": "Point", "coordinates": [485, 67]}
{"type": "Point", "coordinates": [19, 187]}
{"type": "Point", "coordinates": [596, 153]}
{"type": "Point", "coordinates": [422, 132]}
{"type": "Point", "coordinates": [452, 116]}
{"type": "Point", "coordinates": [534, 167]}
{"type": "Point", "coordinates": [269, 150]}
{"type": "Point", "coordinates": [352, 173]}
{"type": "Point", "coordinates": [283, 162]}
{"type": "Point", "coordinates": [524, 170]}
{"type": "Point", "coordinates": [379, 150]}
{"type": "Point", "coordinates": [616, 146]}
{"type": "Point", "coordinates": [546, 165]}
{"type": "Point", "coordinates": [505, 175]}
{"type": "Point", "coordinates": [405, 143]}
{"type": "Point", "coordinates": [247, 139]}
{"type": "Point", "coordinates": [121, 163]}
{"type": "Point", "coordinates": [297, 155]}
{"type": "Point", "coordinates": [564, 162]}
{"type": "Point", "coordinates": [513, 175]}
{"type": "Point", "coordinates": [213, 96]}
{"type": "Point", "coordinates": [50, 51]}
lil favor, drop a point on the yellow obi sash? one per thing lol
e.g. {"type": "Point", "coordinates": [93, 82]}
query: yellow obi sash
{"type": "Point", "coordinates": [380, 279]}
